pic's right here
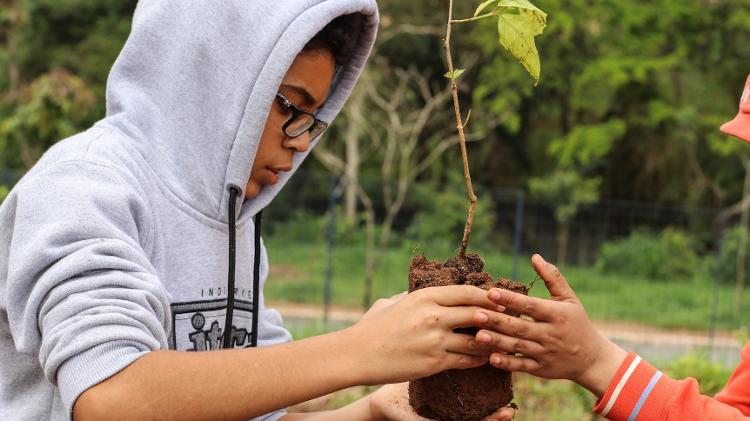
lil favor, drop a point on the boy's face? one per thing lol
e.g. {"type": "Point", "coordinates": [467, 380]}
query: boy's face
{"type": "Point", "coordinates": [305, 85]}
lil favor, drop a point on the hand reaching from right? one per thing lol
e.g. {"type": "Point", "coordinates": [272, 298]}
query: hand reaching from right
{"type": "Point", "coordinates": [560, 343]}
{"type": "Point", "coordinates": [411, 336]}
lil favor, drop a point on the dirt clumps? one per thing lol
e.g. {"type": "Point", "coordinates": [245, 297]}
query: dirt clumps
{"type": "Point", "coordinates": [464, 395]}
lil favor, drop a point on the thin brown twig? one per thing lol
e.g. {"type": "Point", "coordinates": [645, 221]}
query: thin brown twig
{"type": "Point", "coordinates": [461, 136]}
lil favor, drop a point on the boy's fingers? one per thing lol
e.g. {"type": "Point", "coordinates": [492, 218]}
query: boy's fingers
{"type": "Point", "coordinates": [467, 344]}
{"type": "Point", "coordinates": [554, 280]}
{"type": "Point", "coordinates": [503, 414]}
{"type": "Point", "coordinates": [465, 316]}
{"type": "Point", "coordinates": [462, 361]}
{"type": "Point", "coordinates": [504, 343]}
{"type": "Point", "coordinates": [459, 295]}
{"type": "Point", "coordinates": [514, 363]}
{"type": "Point", "coordinates": [536, 308]}
{"type": "Point", "coordinates": [513, 326]}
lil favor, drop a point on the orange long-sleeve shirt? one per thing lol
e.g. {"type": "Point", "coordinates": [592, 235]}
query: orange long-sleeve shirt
{"type": "Point", "coordinates": [640, 392]}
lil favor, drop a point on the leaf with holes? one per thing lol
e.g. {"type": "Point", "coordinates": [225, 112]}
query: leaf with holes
{"type": "Point", "coordinates": [517, 26]}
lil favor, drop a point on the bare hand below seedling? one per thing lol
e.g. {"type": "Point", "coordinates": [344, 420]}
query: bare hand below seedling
{"type": "Point", "coordinates": [391, 402]}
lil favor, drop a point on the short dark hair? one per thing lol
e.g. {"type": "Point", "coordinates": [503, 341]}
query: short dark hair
{"type": "Point", "coordinates": [339, 37]}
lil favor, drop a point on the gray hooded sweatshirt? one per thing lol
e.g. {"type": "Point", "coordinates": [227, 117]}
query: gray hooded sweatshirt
{"type": "Point", "coordinates": [117, 242]}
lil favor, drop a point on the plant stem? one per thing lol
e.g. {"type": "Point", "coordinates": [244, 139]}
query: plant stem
{"type": "Point", "coordinates": [475, 18]}
{"type": "Point", "coordinates": [461, 137]}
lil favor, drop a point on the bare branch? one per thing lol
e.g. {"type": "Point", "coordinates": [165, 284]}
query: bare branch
{"type": "Point", "coordinates": [437, 151]}
{"type": "Point", "coordinates": [329, 160]}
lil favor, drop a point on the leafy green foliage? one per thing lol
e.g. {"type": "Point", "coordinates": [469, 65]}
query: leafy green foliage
{"type": "Point", "coordinates": [669, 255]}
{"type": "Point", "coordinates": [711, 376]}
{"type": "Point", "coordinates": [670, 72]}
{"type": "Point", "coordinates": [567, 191]}
{"type": "Point", "coordinates": [577, 153]}
{"type": "Point", "coordinates": [54, 106]}
{"type": "Point", "coordinates": [62, 53]}
{"type": "Point", "coordinates": [587, 144]}
{"type": "Point", "coordinates": [728, 259]}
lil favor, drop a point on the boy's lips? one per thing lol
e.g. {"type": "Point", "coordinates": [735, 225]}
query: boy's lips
{"type": "Point", "coordinates": [273, 174]}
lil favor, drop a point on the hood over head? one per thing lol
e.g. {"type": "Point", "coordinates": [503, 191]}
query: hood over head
{"type": "Point", "coordinates": [195, 82]}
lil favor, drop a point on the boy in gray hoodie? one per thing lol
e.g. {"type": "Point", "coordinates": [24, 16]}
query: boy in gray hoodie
{"type": "Point", "coordinates": [138, 240]}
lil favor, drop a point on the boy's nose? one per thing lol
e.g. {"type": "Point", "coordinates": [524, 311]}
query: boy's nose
{"type": "Point", "coordinates": [299, 143]}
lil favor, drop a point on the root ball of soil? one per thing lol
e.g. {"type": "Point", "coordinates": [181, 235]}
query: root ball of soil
{"type": "Point", "coordinates": [464, 395]}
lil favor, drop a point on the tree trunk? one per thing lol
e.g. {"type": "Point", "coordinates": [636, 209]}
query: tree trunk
{"type": "Point", "coordinates": [370, 262]}
{"type": "Point", "coordinates": [351, 171]}
{"type": "Point", "coordinates": [11, 48]}
{"type": "Point", "coordinates": [563, 231]}
{"type": "Point", "coordinates": [742, 248]}
{"type": "Point", "coordinates": [370, 252]}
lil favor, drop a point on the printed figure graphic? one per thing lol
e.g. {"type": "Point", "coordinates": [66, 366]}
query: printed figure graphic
{"type": "Point", "coordinates": [199, 326]}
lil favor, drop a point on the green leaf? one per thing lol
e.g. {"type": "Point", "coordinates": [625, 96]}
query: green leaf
{"type": "Point", "coordinates": [517, 32]}
{"type": "Point", "coordinates": [455, 74]}
{"type": "Point", "coordinates": [536, 16]}
{"type": "Point", "coordinates": [483, 6]}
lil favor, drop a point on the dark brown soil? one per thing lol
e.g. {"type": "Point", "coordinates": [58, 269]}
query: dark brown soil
{"type": "Point", "coordinates": [460, 395]}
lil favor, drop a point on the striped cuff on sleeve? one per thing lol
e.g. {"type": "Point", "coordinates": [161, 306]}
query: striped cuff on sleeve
{"type": "Point", "coordinates": [633, 389]}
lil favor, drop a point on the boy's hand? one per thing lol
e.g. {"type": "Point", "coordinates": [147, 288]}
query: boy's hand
{"type": "Point", "coordinates": [560, 343]}
{"type": "Point", "coordinates": [391, 403]}
{"type": "Point", "coordinates": [411, 336]}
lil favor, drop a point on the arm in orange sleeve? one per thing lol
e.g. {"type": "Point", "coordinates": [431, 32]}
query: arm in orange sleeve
{"type": "Point", "coordinates": [737, 391]}
{"type": "Point", "coordinates": [640, 392]}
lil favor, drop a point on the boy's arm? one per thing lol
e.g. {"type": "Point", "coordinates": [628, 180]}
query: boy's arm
{"type": "Point", "coordinates": [640, 391]}
{"type": "Point", "coordinates": [561, 343]}
{"type": "Point", "coordinates": [737, 391]}
{"type": "Point", "coordinates": [241, 384]}
{"type": "Point", "coordinates": [227, 384]}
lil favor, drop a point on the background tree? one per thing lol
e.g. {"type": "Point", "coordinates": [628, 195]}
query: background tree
{"type": "Point", "coordinates": [404, 134]}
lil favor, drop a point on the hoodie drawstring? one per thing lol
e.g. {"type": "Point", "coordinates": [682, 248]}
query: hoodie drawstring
{"type": "Point", "coordinates": [256, 279]}
{"type": "Point", "coordinates": [228, 322]}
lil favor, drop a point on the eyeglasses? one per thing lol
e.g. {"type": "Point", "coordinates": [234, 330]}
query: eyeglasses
{"type": "Point", "coordinates": [301, 121]}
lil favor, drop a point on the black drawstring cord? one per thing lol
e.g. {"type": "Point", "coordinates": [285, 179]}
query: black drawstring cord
{"type": "Point", "coordinates": [256, 279]}
{"type": "Point", "coordinates": [228, 331]}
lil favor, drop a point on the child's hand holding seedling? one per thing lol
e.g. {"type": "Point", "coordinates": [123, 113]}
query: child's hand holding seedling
{"type": "Point", "coordinates": [559, 343]}
{"type": "Point", "coordinates": [411, 336]}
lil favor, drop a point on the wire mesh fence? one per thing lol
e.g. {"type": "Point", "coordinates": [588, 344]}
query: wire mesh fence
{"type": "Point", "coordinates": [662, 318]}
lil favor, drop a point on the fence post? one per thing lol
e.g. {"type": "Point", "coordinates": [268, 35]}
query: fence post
{"type": "Point", "coordinates": [717, 283]}
{"type": "Point", "coordinates": [331, 235]}
{"type": "Point", "coordinates": [518, 232]}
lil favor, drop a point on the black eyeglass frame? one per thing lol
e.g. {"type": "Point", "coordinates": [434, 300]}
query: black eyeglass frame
{"type": "Point", "coordinates": [316, 126]}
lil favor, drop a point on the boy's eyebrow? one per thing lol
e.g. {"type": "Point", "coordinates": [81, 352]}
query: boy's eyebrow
{"type": "Point", "coordinates": [307, 99]}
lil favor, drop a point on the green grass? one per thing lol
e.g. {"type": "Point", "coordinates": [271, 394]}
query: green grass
{"type": "Point", "coordinates": [298, 272]}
